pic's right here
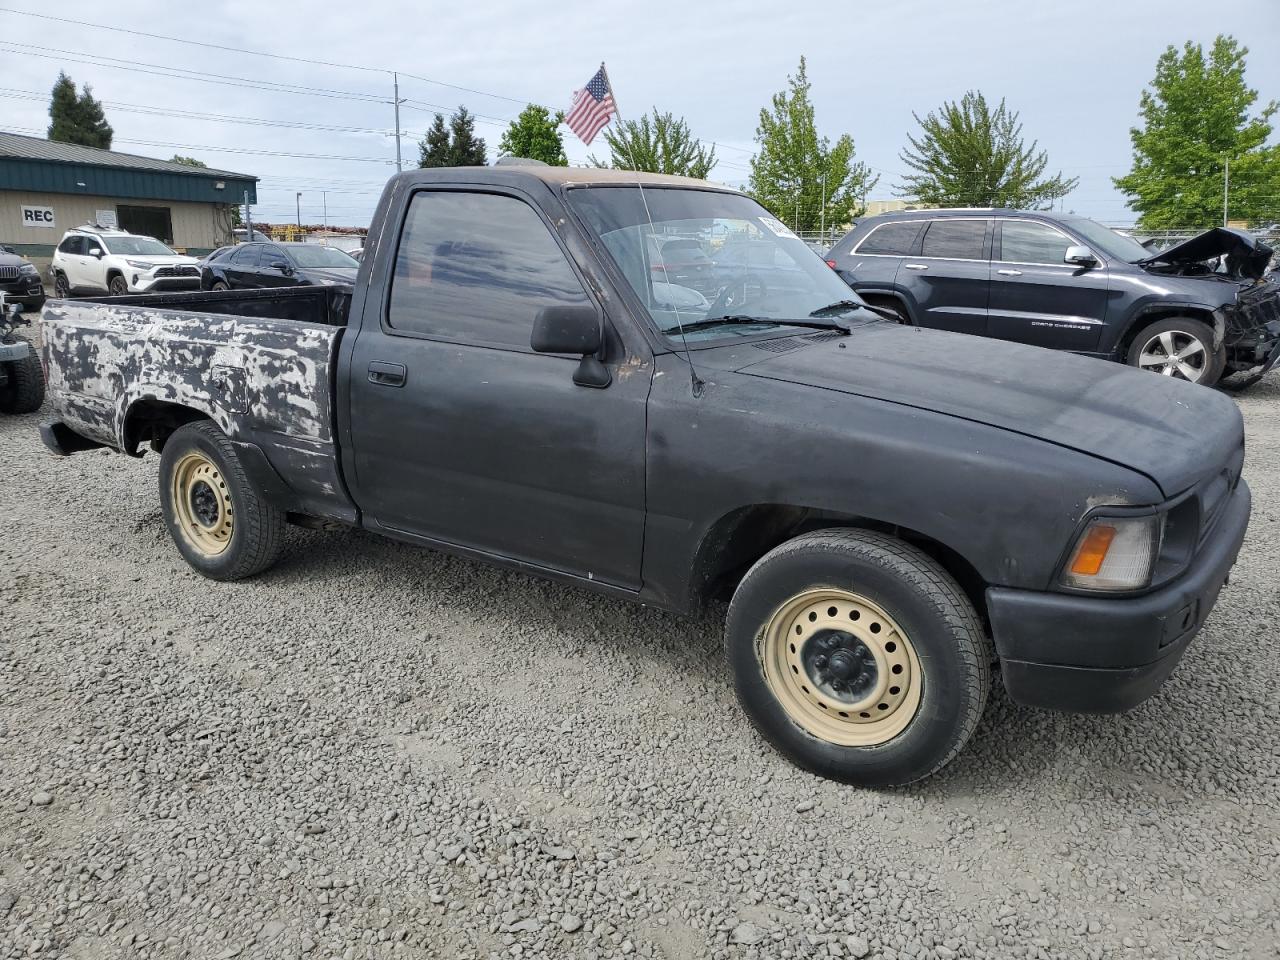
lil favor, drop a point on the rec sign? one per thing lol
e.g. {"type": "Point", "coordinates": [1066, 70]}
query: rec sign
{"type": "Point", "coordinates": [38, 217]}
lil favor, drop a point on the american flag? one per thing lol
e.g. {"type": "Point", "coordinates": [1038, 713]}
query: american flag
{"type": "Point", "coordinates": [592, 107]}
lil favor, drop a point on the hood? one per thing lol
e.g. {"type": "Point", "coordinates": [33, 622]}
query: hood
{"type": "Point", "coordinates": [329, 274]}
{"type": "Point", "coordinates": [1246, 256]}
{"type": "Point", "coordinates": [160, 259]}
{"type": "Point", "coordinates": [1172, 431]}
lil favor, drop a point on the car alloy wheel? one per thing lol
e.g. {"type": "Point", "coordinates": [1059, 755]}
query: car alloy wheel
{"type": "Point", "coordinates": [841, 668]}
{"type": "Point", "coordinates": [1175, 353]}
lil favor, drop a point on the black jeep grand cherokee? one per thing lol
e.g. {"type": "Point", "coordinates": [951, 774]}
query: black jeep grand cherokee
{"type": "Point", "coordinates": [1197, 311]}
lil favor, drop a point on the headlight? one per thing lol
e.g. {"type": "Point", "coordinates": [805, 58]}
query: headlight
{"type": "Point", "coordinates": [29, 269]}
{"type": "Point", "coordinates": [1115, 553]}
{"type": "Point", "coordinates": [140, 264]}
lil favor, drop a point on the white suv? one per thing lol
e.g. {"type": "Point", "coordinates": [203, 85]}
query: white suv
{"type": "Point", "coordinates": [96, 260]}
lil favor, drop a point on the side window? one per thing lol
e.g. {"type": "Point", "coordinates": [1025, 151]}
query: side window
{"type": "Point", "coordinates": [92, 245]}
{"type": "Point", "coordinates": [955, 239]}
{"type": "Point", "coordinates": [477, 267]}
{"type": "Point", "coordinates": [269, 255]}
{"type": "Point", "coordinates": [74, 245]}
{"type": "Point", "coordinates": [1023, 241]}
{"type": "Point", "coordinates": [891, 239]}
{"type": "Point", "coordinates": [247, 256]}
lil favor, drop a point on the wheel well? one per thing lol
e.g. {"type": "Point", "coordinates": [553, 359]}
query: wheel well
{"type": "Point", "coordinates": [1146, 319]}
{"type": "Point", "coordinates": [153, 421]}
{"type": "Point", "coordinates": [738, 539]}
{"type": "Point", "coordinates": [891, 300]}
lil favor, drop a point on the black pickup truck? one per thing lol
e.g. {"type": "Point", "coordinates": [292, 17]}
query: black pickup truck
{"type": "Point", "coordinates": [894, 514]}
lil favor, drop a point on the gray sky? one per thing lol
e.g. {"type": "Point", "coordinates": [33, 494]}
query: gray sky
{"type": "Point", "coordinates": [1073, 71]}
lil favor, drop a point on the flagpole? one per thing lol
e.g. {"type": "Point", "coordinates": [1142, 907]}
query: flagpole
{"type": "Point", "coordinates": [616, 112]}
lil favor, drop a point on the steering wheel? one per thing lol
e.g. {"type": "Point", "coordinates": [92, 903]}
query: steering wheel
{"type": "Point", "coordinates": [736, 294]}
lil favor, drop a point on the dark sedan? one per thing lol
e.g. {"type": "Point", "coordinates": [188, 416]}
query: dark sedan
{"type": "Point", "coordinates": [255, 265]}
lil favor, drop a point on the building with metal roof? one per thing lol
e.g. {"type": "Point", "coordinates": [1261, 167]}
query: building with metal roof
{"type": "Point", "coordinates": [46, 188]}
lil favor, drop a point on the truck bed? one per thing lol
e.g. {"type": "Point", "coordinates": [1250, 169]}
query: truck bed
{"type": "Point", "coordinates": [259, 363]}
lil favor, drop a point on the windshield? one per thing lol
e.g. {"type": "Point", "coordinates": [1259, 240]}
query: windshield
{"type": "Point", "coordinates": [136, 245]}
{"type": "Point", "coordinates": [314, 255]}
{"type": "Point", "coordinates": [708, 255]}
{"type": "Point", "coordinates": [1107, 241]}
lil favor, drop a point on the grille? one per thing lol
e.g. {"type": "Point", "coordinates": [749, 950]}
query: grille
{"type": "Point", "coordinates": [9, 273]}
{"type": "Point", "coordinates": [177, 272]}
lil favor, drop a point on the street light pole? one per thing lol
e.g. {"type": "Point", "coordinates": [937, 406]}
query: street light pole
{"type": "Point", "coordinates": [396, 82]}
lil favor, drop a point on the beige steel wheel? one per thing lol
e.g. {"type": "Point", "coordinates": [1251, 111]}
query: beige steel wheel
{"type": "Point", "coordinates": [841, 668]}
{"type": "Point", "coordinates": [202, 504]}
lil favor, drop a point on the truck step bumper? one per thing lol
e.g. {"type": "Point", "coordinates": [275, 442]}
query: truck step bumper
{"type": "Point", "coordinates": [64, 441]}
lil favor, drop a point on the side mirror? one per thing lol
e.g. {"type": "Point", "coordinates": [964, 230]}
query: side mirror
{"type": "Point", "coordinates": [573, 330]}
{"type": "Point", "coordinates": [96, 252]}
{"type": "Point", "coordinates": [1080, 255]}
{"type": "Point", "coordinates": [281, 266]}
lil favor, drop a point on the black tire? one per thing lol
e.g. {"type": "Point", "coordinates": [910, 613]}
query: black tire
{"type": "Point", "coordinates": [118, 286]}
{"type": "Point", "coordinates": [24, 392]}
{"type": "Point", "coordinates": [61, 289]}
{"type": "Point", "coordinates": [219, 285]}
{"type": "Point", "coordinates": [257, 535]}
{"type": "Point", "coordinates": [953, 652]}
{"type": "Point", "coordinates": [1215, 361]}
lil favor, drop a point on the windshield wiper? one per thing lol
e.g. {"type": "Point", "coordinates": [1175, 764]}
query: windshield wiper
{"type": "Point", "coordinates": [838, 307]}
{"type": "Point", "coordinates": [734, 319]}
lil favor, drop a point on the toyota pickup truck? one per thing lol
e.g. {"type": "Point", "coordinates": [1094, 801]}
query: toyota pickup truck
{"type": "Point", "coordinates": [896, 515]}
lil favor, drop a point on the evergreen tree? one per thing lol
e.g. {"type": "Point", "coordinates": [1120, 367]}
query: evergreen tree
{"type": "Point", "coordinates": [801, 177]}
{"type": "Point", "coordinates": [77, 117]}
{"type": "Point", "coordinates": [187, 161]}
{"type": "Point", "coordinates": [535, 134]}
{"type": "Point", "coordinates": [661, 145]}
{"type": "Point", "coordinates": [968, 155]}
{"type": "Point", "coordinates": [455, 145]}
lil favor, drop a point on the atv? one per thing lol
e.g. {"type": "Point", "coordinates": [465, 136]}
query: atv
{"type": "Point", "coordinates": [21, 377]}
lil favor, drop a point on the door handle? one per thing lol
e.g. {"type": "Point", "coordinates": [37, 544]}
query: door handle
{"type": "Point", "coordinates": [916, 266]}
{"type": "Point", "coordinates": [1009, 273]}
{"type": "Point", "coordinates": [386, 374]}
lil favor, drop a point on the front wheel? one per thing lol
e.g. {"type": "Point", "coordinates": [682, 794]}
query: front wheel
{"type": "Point", "coordinates": [61, 289]}
{"type": "Point", "coordinates": [219, 286]}
{"type": "Point", "coordinates": [23, 391]}
{"type": "Point", "coordinates": [858, 657]}
{"type": "Point", "coordinates": [118, 287]}
{"type": "Point", "coordinates": [1179, 347]}
{"type": "Point", "coordinates": [221, 525]}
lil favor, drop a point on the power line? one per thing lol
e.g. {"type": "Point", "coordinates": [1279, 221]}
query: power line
{"type": "Point", "coordinates": [257, 53]}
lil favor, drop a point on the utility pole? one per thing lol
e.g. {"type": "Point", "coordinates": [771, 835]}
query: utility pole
{"type": "Point", "coordinates": [324, 198]}
{"type": "Point", "coordinates": [248, 220]}
{"type": "Point", "coordinates": [298, 200]}
{"type": "Point", "coordinates": [396, 81]}
{"type": "Point", "coordinates": [822, 229]}
{"type": "Point", "coordinates": [1226, 186]}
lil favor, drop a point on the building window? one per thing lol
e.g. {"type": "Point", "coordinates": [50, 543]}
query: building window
{"type": "Point", "coordinates": [148, 221]}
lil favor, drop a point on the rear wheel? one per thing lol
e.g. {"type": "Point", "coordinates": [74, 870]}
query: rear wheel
{"type": "Point", "coordinates": [219, 522]}
{"type": "Point", "coordinates": [858, 657]}
{"type": "Point", "coordinates": [1178, 347]}
{"type": "Point", "coordinates": [24, 391]}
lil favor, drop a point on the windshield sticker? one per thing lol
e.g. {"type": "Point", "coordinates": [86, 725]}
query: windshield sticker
{"type": "Point", "coordinates": [778, 227]}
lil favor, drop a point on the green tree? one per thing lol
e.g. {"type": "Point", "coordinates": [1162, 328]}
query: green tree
{"type": "Point", "coordinates": [77, 117]}
{"type": "Point", "coordinates": [1195, 122]}
{"type": "Point", "coordinates": [803, 178]}
{"type": "Point", "coordinates": [663, 144]}
{"type": "Point", "coordinates": [455, 145]}
{"type": "Point", "coordinates": [968, 155]}
{"type": "Point", "coordinates": [187, 161]}
{"type": "Point", "coordinates": [535, 134]}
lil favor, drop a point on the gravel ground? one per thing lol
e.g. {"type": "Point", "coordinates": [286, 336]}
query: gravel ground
{"type": "Point", "coordinates": [377, 751]}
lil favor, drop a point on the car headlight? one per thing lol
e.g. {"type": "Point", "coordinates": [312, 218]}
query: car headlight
{"type": "Point", "coordinates": [1115, 553]}
{"type": "Point", "coordinates": [140, 264]}
{"type": "Point", "coordinates": [29, 269]}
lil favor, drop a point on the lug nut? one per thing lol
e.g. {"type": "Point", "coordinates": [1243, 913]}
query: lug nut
{"type": "Point", "coordinates": [820, 661]}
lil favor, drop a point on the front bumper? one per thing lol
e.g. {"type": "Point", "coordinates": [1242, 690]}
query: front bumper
{"type": "Point", "coordinates": [148, 282]}
{"type": "Point", "coordinates": [29, 292]}
{"type": "Point", "coordinates": [1107, 654]}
